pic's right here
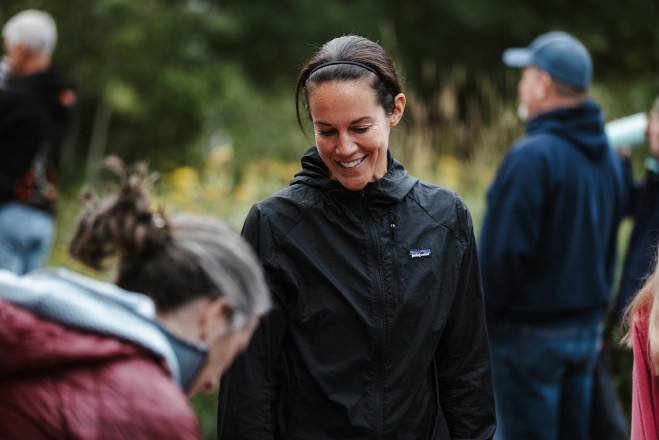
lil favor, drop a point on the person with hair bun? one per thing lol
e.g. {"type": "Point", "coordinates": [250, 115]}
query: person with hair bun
{"type": "Point", "coordinates": [81, 358]}
{"type": "Point", "coordinates": [378, 329]}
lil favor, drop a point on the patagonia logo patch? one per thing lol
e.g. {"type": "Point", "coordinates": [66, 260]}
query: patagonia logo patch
{"type": "Point", "coordinates": [419, 253]}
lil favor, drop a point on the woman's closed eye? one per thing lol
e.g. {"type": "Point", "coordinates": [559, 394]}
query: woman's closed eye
{"type": "Point", "coordinates": [361, 129]}
{"type": "Point", "coordinates": [332, 131]}
{"type": "Point", "coordinates": [328, 132]}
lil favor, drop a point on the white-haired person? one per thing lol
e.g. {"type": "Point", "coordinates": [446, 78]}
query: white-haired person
{"type": "Point", "coordinates": [36, 108]}
{"type": "Point", "coordinates": [82, 358]}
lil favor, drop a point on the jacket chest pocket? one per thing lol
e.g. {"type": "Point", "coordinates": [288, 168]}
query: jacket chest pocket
{"type": "Point", "coordinates": [406, 267]}
{"type": "Point", "coordinates": [417, 273]}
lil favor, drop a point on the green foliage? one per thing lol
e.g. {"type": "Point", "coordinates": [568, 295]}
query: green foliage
{"type": "Point", "coordinates": [170, 78]}
{"type": "Point", "coordinates": [205, 405]}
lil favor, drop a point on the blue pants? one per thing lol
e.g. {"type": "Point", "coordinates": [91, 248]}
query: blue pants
{"type": "Point", "coordinates": [26, 236]}
{"type": "Point", "coordinates": [542, 377]}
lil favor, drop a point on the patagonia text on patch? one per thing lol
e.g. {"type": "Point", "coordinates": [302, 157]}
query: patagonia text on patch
{"type": "Point", "coordinates": [419, 253]}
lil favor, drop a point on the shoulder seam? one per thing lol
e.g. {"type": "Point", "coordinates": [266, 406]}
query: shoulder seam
{"type": "Point", "coordinates": [450, 227]}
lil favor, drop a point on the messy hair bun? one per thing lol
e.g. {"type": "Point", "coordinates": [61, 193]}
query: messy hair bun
{"type": "Point", "coordinates": [121, 224]}
{"type": "Point", "coordinates": [171, 260]}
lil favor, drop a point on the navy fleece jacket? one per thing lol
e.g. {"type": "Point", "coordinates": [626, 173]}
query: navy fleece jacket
{"type": "Point", "coordinates": [548, 243]}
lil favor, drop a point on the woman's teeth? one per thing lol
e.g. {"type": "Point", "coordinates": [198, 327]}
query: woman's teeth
{"type": "Point", "coordinates": [352, 164]}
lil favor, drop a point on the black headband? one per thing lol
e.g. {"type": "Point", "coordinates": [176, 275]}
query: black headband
{"type": "Point", "coordinates": [354, 63]}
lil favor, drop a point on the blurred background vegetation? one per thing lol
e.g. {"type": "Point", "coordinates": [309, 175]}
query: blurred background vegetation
{"type": "Point", "coordinates": [202, 90]}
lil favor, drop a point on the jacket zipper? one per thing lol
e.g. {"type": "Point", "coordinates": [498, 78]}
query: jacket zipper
{"type": "Point", "coordinates": [394, 280]}
{"type": "Point", "coordinates": [381, 329]}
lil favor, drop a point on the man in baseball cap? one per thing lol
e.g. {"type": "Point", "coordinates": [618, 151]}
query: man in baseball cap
{"type": "Point", "coordinates": [548, 246]}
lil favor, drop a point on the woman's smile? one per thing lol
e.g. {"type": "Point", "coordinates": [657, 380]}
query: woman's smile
{"type": "Point", "coordinates": [354, 163]}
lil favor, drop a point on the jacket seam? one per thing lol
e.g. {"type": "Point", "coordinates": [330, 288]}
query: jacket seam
{"type": "Point", "coordinates": [455, 234]}
{"type": "Point", "coordinates": [278, 239]}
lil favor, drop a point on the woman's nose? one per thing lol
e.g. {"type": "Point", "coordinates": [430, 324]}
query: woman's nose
{"type": "Point", "coordinates": [346, 145]}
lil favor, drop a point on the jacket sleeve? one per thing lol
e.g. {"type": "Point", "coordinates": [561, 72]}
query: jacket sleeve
{"type": "Point", "coordinates": [248, 391]}
{"type": "Point", "coordinates": [512, 226]}
{"type": "Point", "coordinates": [463, 359]}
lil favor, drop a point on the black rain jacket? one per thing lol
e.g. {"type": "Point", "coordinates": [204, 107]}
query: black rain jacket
{"type": "Point", "coordinates": [379, 330]}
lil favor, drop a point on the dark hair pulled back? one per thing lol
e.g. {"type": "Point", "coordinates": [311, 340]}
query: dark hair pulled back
{"type": "Point", "coordinates": [173, 261]}
{"type": "Point", "coordinates": [121, 224]}
{"type": "Point", "coordinates": [356, 49]}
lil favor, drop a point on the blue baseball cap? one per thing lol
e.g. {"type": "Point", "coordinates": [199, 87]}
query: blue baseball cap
{"type": "Point", "coordinates": [559, 54]}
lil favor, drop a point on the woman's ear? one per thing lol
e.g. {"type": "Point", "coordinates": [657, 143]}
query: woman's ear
{"type": "Point", "coordinates": [399, 109]}
{"type": "Point", "coordinates": [216, 317]}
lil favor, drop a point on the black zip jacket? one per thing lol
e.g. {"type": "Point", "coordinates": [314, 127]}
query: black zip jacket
{"type": "Point", "coordinates": [379, 330]}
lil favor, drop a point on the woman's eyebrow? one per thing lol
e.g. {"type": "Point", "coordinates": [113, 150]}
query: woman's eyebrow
{"type": "Point", "coordinates": [356, 121]}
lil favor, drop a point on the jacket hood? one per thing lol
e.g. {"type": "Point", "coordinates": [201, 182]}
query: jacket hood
{"type": "Point", "coordinates": [30, 344]}
{"type": "Point", "coordinates": [59, 300]}
{"type": "Point", "coordinates": [580, 126]}
{"type": "Point", "coordinates": [391, 188]}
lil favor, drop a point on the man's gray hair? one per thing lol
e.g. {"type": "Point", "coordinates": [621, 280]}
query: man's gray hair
{"type": "Point", "coordinates": [36, 30]}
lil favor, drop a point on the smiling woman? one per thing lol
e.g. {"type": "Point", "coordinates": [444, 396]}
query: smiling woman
{"type": "Point", "coordinates": [378, 328]}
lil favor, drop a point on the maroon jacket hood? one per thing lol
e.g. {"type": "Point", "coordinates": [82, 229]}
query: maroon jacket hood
{"type": "Point", "coordinates": [57, 382]}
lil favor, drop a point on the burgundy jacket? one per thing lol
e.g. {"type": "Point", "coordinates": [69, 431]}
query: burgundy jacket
{"type": "Point", "coordinates": [645, 394]}
{"type": "Point", "coordinates": [57, 382]}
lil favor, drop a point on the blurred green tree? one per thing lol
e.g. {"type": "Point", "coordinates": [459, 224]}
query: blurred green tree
{"type": "Point", "coordinates": [143, 72]}
{"type": "Point", "coordinates": [165, 80]}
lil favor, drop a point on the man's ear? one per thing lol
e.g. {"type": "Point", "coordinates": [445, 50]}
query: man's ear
{"type": "Point", "coordinates": [215, 317]}
{"type": "Point", "coordinates": [545, 86]}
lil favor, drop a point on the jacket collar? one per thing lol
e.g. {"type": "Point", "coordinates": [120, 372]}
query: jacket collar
{"type": "Point", "coordinates": [391, 188]}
